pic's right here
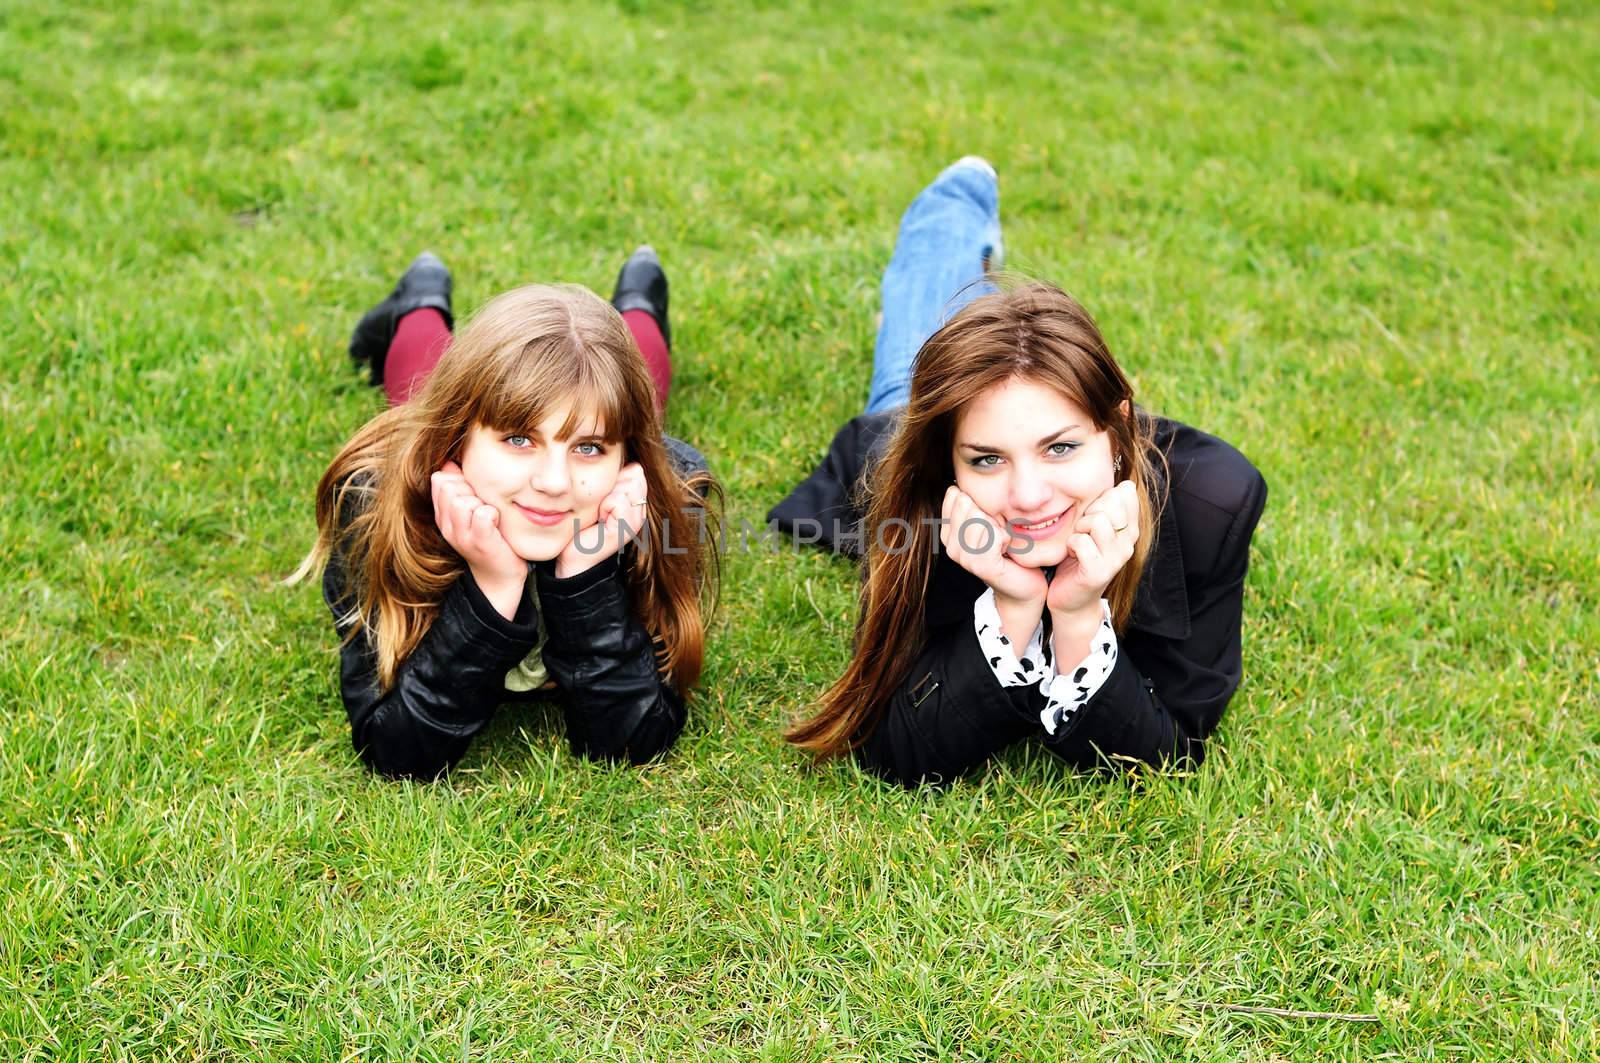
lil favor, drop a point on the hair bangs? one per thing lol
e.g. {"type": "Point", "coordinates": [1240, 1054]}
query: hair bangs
{"type": "Point", "coordinates": [546, 375]}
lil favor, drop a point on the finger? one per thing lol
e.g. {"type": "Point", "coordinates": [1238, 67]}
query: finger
{"type": "Point", "coordinates": [444, 509]}
{"type": "Point", "coordinates": [1113, 508]}
{"type": "Point", "coordinates": [1131, 510]}
{"type": "Point", "coordinates": [1129, 533]}
{"type": "Point", "coordinates": [971, 537]}
{"type": "Point", "coordinates": [1129, 493]}
{"type": "Point", "coordinates": [633, 483]}
{"type": "Point", "coordinates": [608, 537]}
{"type": "Point", "coordinates": [462, 508]}
{"type": "Point", "coordinates": [973, 512]}
{"type": "Point", "coordinates": [986, 540]}
{"type": "Point", "coordinates": [623, 529]}
{"type": "Point", "coordinates": [622, 513]}
{"type": "Point", "coordinates": [618, 502]}
{"type": "Point", "coordinates": [966, 527]}
{"type": "Point", "coordinates": [636, 517]}
{"type": "Point", "coordinates": [955, 510]}
{"type": "Point", "coordinates": [630, 482]}
{"type": "Point", "coordinates": [1103, 533]}
{"type": "Point", "coordinates": [482, 528]}
{"type": "Point", "coordinates": [1095, 509]}
{"type": "Point", "coordinates": [1110, 502]}
{"type": "Point", "coordinates": [589, 539]}
{"type": "Point", "coordinates": [1083, 550]}
{"type": "Point", "coordinates": [450, 485]}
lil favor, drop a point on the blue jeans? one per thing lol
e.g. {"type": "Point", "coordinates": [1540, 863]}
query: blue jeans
{"type": "Point", "coordinates": [947, 234]}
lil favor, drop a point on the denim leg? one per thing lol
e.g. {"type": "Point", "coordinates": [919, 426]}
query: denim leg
{"type": "Point", "coordinates": [945, 236]}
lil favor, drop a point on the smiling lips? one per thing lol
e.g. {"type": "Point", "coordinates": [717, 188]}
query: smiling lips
{"type": "Point", "coordinates": [545, 518]}
{"type": "Point", "coordinates": [1042, 529]}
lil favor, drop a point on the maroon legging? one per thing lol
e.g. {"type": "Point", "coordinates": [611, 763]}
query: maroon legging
{"type": "Point", "coordinates": [422, 337]}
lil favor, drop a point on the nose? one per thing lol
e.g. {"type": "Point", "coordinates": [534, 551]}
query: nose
{"type": "Point", "coordinates": [1028, 490]}
{"type": "Point", "coordinates": [550, 475]}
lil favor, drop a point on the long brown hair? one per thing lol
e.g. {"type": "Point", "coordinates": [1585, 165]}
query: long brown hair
{"type": "Point", "coordinates": [524, 354]}
{"type": "Point", "coordinates": [1033, 332]}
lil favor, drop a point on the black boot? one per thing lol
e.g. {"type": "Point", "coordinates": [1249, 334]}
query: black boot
{"type": "Point", "coordinates": [642, 285]}
{"type": "Point", "coordinates": [425, 283]}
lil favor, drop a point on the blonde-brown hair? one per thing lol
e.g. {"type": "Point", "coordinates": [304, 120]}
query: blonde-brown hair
{"type": "Point", "coordinates": [524, 354]}
{"type": "Point", "coordinates": [1033, 332]}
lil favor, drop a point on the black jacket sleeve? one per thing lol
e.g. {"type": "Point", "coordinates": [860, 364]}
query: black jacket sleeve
{"type": "Point", "coordinates": [444, 692]}
{"type": "Point", "coordinates": [1164, 697]}
{"type": "Point", "coordinates": [618, 705]}
{"type": "Point", "coordinates": [949, 716]}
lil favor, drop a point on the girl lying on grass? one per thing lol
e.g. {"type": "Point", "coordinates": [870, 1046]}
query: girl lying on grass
{"type": "Point", "coordinates": [1044, 560]}
{"type": "Point", "coordinates": [474, 537]}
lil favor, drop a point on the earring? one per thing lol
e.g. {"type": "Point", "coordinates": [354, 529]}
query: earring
{"type": "Point", "coordinates": [1116, 464]}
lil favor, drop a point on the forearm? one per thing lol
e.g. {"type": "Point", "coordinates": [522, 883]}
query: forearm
{"type": "Point", "coordinates": [504, 592]}
{"type": "Point", "coordinates": [948, 716]}
{"type": "Point", "coordinates": [443, 693]}
{"type": "Point", "coordinates": [1018, 621]}
{"type": "Point", "coordinates": [1126, 721]}
{"type": "Point", "coordinates": [1072, 634]}
{"type": "Point", "coordinates": [618, 704]}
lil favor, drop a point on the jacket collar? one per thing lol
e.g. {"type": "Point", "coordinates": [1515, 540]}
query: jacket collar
{"type": "Point", "coordinates": [1161, 604]}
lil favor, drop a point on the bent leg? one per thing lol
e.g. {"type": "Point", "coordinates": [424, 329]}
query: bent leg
{"type": "Point", "coordinates": [949, 238]}
{"type": "Point", "coordinates": [421, 337]}
{"type": "Point", "coordinates": [641, 298]}
{"type": "Point", "coordinates": [653, 345]}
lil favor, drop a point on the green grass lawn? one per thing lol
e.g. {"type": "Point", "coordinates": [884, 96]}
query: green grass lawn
{"type": "Point", "coordinates": [1357, 240]}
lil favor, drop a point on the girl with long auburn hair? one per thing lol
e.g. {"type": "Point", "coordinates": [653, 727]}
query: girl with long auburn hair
{"type": "Point", "coordinates": [516, 522]}
{"type": "Point", "coordinates": [1043, 559]}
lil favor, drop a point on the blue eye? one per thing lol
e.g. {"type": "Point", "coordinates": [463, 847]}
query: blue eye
{"type": "Point", "coordinates": [1061, 450]}
{"type": "Point", "coordinates": [519, 441]}
{"type": "Point", "coordinates": [590, 450]}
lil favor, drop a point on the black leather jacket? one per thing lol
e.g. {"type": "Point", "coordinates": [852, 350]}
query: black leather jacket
{"type": "Point", "coordinates": [1180, 657]}
{"type": "Point", "coordinates": [616, 704]}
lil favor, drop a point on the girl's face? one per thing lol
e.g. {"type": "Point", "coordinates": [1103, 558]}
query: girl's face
{"type": "Point", "coordinates": [1034, 461]}
{"type": "Point", "coordinates": [545, 488]}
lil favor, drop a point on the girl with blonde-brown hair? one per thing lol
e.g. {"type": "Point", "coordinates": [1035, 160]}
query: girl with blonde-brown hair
{"type": "Point", "coordinates": [515, 522]}
{"type": "Point", "coordinates": [1043, 559]}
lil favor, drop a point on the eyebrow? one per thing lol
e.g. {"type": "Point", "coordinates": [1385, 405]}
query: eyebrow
{"type": "Point", "coordinates": [986, 448]}
{"type": "Point", "coordinates": [577, 437]}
